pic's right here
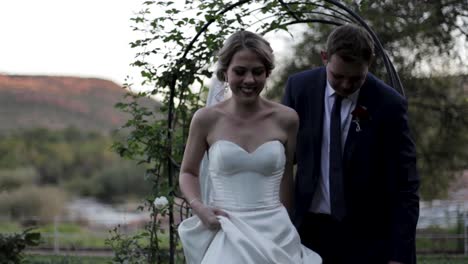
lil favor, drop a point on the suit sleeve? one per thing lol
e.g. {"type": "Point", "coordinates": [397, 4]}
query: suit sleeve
{"type": "Point", "coordinates": [287, 99]}
{"type": "Point", "coordinates": [405, 180]}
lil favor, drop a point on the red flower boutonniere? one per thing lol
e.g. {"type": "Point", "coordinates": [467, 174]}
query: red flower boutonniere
{"type": "Point", "coordinates": [360, 114]}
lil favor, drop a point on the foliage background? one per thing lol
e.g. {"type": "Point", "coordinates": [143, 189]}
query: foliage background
{"type": "Point", "coordinates": [422, 40]}
{"type": "Point", "coordinates": [177, 55]}
{"type": "Point", "coordinates": [42, 169]}
{"type": "Point", "coordinates": [49, 167]}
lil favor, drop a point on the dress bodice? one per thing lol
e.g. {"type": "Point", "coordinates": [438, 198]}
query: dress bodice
{"type": "Point", "coordinates": [257, 229]}
{"type": "Point", "coordinates": [243, 180]}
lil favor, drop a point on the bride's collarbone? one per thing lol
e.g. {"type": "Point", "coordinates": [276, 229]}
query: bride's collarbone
{"type": "Point", "coordinates": [252, 116]}
{"type": "Point", "coordinates": [248, 137]}
{"type": "Point", "coordinates": [250, 120]}
{"type": "Point", "coordinates": [249, 128]}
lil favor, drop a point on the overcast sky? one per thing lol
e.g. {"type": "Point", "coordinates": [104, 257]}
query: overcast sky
{"type": "Point", "coordinates": [67, 37]}
{"type": "Point", "coordinates": [88, 38]}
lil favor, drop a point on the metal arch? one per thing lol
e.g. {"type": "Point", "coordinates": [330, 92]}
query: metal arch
{"type": "Point", "coordinates": [392, 75]}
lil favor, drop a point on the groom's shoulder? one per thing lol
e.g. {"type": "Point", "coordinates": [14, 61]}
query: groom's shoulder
{"type": "Point", "coordinates": [382, 90]}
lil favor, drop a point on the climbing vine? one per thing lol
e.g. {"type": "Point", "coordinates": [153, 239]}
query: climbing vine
{"type": "Point", "coordinates": [176, 56]}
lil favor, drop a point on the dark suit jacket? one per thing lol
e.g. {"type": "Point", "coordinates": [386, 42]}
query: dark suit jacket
{"type": "Point", "coordinates": [380, 178]}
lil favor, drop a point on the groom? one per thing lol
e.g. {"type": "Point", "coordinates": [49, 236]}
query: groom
{"type": "Point", "coordinates": [356, 197]}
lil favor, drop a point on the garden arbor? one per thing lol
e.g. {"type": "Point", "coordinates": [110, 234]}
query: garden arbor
{"type": "Point", "coordinates": [184, 40]}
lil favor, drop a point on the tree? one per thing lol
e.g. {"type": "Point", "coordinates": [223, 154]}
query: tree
{"type": "Point", "coordinates": [421, 40]}
{"type": "Point", "coordinates": [183, 40]}
{"type": "Point", "coordinates": [81, 162]}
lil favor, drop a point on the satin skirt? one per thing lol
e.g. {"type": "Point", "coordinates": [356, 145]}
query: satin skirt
{"type": "Point", "coordinates": [246, 236]}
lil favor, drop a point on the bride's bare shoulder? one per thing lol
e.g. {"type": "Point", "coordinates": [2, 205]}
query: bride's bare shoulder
{"type": "Point", "coordinates": [285, 114]}
{"type": "Point", "coordinates": [207, 116]}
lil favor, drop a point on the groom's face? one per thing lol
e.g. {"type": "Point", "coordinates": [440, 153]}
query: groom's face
{"type": "Point", "coordinates": [345, 77]}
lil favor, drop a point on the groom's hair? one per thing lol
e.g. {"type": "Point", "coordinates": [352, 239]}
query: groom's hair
{"type": "Point", "coordinates": [241, 40]}
{"type": "Point", "coordinates": [352, 43]}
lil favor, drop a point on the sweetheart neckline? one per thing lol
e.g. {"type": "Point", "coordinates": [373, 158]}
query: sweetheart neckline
{"type": "Point", "coordinates": [255, 150]}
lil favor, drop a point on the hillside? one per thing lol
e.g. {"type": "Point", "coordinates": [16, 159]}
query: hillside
{"type": "Point", "coordinates": [58, 102]}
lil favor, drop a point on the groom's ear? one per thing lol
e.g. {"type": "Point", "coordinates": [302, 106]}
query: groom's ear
{"type": "Point", "coordinates": [324, 56]}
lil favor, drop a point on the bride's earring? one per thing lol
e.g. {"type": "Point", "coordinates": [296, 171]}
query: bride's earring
{"type": "Point", "coordinates": [226, 87]}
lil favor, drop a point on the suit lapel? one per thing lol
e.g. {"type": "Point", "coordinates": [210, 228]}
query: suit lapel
{"type": "Point", "coordinates": [353, 134]}
{"type": "Point", "coordinates": [317, 109]}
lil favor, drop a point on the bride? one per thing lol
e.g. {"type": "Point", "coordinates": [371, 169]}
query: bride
{"type": "Point", "coordinates": [250, 143]}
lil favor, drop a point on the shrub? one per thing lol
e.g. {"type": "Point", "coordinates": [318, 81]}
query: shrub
{"type": "Point", "coordinates": [117, 183]}
{"type": "Point", "coordinates": [31, 202]}
{"type": "Point", "coordinates": [11, 179]}
{"type": "Point", "coordinates": [12, 246]}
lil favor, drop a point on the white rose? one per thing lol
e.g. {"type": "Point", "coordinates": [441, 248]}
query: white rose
{"type": "Point", "coordinates": [160, 202]}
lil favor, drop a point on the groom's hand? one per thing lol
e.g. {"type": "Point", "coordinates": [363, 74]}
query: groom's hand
{"type": "Point", "coordinates": [208, 215]}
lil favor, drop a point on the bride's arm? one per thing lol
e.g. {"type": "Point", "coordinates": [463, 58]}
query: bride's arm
{"type": "Point", "coordinates": [193, 154]}
{"type": "Point", "coordinates": [188, 178]}
{"type": "Point", "coordinates": [287, 183]}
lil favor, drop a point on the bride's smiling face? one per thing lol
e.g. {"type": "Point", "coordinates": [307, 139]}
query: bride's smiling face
{"type": "Point", "coordinates": [246, 75]}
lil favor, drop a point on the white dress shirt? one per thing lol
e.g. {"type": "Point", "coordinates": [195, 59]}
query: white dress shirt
{"type": "Point", "coordinates": [321, 200]}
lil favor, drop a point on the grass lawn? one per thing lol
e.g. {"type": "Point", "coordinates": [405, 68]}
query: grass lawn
{"type": "Point", "coordinates": [70, 236]}
{"type": "Point", "coordinates": [73, 236]}
{"type": "Point", "coordinates": [442, 259]}
{"type": "Point", "coordinates": [36, 259]}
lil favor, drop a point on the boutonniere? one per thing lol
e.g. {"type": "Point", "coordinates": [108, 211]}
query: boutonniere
{"type": "Point", "coordinates": [360, 114]}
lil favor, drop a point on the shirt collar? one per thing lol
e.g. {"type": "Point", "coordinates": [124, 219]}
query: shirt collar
{"type": "Point", "coordinates": [329, 91]}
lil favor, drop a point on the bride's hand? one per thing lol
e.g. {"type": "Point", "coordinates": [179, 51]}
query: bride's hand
{"type": "Point", "coordinates": [208, 215]}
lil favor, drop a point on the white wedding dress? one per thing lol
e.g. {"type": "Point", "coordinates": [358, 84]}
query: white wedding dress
{"type": "Point", "coordinates": [258, 230]}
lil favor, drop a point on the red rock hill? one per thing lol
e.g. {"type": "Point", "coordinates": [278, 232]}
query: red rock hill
{"type": "Point", "coordinates": [58, 102]}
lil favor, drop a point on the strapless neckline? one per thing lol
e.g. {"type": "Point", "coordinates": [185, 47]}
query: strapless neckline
{"type": "Point", "coordinates": [243, 149]}
{"type": "Point", "coordinates": [245, 185]}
